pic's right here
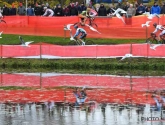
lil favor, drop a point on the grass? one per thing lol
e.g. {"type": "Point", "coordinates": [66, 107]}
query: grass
{"type": "Point", "coordinates": [9, 39]}
{"type": "Point", "coordinates": [138, 66]}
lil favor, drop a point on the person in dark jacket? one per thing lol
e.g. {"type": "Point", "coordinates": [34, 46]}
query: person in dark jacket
{"type": "Point", "coordinates": [66, 11]}
{"type": "Point", "coordinates": [110, 10]}
{"type": "Point", "coordinates": [163, 8]}
{"type": "Point", "coordinates": [140, 10]}
{"type": "Point", "coordinates": [73, 10]}
{"type": "Point", "coordinates": [37, 10]}
{"type": "Point", "coordinates": [81, 8]}
{"type": "Point", "coordinates": [120, 5]}
{"type": "Point", "coordinates": [5, 11]}
{"type": "Point", "coordinates": [13, 10]}
{"type": "Point", "coordinates": [58, 11]}
{"type": "Point", "coordinates": [155, 9]}
{"type": "Point", "coordinates": [102, 11]}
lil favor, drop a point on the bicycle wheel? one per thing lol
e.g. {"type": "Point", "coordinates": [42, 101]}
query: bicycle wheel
{"type": "Point", "coordinates": [3, 25]}
{"type": "Point", "coordinates": [151, 40]}
{"type": "Point", "coordinates": [89, 42]}
{"type": "Point", "coordinates": [72, 43]}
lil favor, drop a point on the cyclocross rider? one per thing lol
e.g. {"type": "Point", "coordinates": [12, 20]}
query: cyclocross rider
{"type": "Point", "coordinates": [85, 14]}
{"type": "Point", "coordinates": [157, 28]}
{"type": "Point", "coordinates": [48, 12]}
{"type": "Point", "coordinates": [83, 34]}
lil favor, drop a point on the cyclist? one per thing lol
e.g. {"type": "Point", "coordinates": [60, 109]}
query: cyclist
{"type": "Point", "coordinates": [89, 13]}
{"type": "Point", "coordinates": [48, 12]}
{"type": "Point", "coordinates": [83, 34]}
{"type": "Point", "coordinates": [157, 28]}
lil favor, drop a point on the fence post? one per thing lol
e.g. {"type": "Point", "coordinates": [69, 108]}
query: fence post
{"type": "Point", "coordinates": [40, 80]}
{"type": "Point", "coordinates": [1, 51]}
{"type": "Point", "coordinates": [1, 78]}
{"type": "Point", "coordinates": [40, 51]}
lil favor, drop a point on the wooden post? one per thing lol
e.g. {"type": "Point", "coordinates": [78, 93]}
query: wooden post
{"type": "Point", "coordinates": [40, 80]}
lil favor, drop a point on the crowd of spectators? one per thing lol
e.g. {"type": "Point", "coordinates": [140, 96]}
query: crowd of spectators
{"type": "Point", "coordinates": [73, 9]}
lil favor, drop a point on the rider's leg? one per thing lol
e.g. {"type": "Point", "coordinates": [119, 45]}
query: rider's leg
{"type": "Point", "coordinates": [161, 35]}
{"type": "Point", "coordinates": [82, 37]}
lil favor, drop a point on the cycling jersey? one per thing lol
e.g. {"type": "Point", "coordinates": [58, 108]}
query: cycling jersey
{"type": "Point", "coordinates": [158, 27]}
{"type": "Point", "coordinates": [48, 12]}
{"type": "Point", "coordinates": [92, 13]}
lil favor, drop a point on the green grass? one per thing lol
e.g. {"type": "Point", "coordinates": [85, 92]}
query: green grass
{"type": "Point", "coordinates": [138, 66]}
{"type": "Point", "coordinates": [8, 39]}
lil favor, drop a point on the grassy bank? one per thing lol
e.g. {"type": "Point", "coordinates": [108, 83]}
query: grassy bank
{"type": "Point", "coordinates": [9, 39]}
{"type": "Point", "coordinates": [138, 66]}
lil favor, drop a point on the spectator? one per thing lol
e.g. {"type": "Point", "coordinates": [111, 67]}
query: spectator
{"type": "Point", "coordinates": [97, 7]}
{"type": "Point", "coordinates": [102, 11]}
{"type": "Point", "coordinates": [21, 9]}
{"type": "Point", "coordinates": [110, 10]}
{"type": "Point", "coordinates": [30, 11]}
{"type": "Point", "coordinates": [127, 6]}
{"type": "Point", "coordinates": [148, 9]}
{"type": "Point", "coordinates": [81, 8]}
{"type": "Point", "coordinates": [58, 11]}
{"type": "Point", "coordinates": [163, 8]}
{"type": "Point", "coordinates": [13, 10]}
{"type": "Point", "coordinates": [5, 11]}
{"type": "Point", "coordinates": [66, 11]}
{"type": "Point", "coordinates": [37, 10]}
{"type": "Point", "coordinates": [120, 5]}
{"type": "Point", "coordinates": [131, 11]}
{"type": "Point", "coordinates": [140, 10]}
{"type": "Point", "coordinates": [73, 10]}
{"type": "Point", "coordinates": [155, 9]}
{"type": "Point", "coordinates": [42, 9]}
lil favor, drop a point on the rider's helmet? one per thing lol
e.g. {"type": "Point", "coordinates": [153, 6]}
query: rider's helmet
{"type": "Point", "coordinates": [88, 9]}
{"type": "Point", "coordinates": [155, 24]}
{"type": "Point", "coordinates": [75, 26]}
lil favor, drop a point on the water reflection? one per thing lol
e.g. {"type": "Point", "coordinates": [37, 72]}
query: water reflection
{"type": "Point", "coordinates": [113, 114]}
{"type": "Point", "coordinates": [48, 99]}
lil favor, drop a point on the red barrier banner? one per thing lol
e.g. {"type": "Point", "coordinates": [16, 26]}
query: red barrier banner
{"type": "Point", "coordinates": [49, 51]}
{"type": "Point", "coordinates": [54, 26]}
{"type": "Point", "coordinates": [44, 80]}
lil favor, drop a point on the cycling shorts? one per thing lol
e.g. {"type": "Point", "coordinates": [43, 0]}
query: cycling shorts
{"type": "Point", "coordinates": [83, 35]}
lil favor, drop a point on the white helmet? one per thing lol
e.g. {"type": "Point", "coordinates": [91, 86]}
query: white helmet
{"type": "Point", "coordinates": [45, 8]}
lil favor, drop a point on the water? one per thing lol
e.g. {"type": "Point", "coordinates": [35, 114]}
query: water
{"type": "Point", "coordinates": [49, 99]}
{"type": "Point", "coordinates": [33, 114]}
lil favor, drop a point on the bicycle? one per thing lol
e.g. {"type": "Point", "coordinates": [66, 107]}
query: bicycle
{"type": "Point", "coordinates": [77, 42]}
{"type": "Point", "coordinates": [153, 39]}
{"type": "Point", "coordinates": [90, 22]}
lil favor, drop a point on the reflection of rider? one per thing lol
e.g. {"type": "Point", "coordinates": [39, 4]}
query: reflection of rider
{"type": "Point", "coordinates": [157, 28]}
{"type": "Point", "coordinates": [48, 12]}
{"type": "Point", "coordinates": [80, 97]}
{"type": "Point", "coordinates": [85, 14]}
{"type": "Point", "coordinates": [158, 104]}
{"type": "Point", "coordinates": [83, 34]}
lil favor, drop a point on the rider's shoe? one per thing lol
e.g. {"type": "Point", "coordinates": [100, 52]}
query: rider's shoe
{"type": "Point", "coordinates": [83, 43]}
